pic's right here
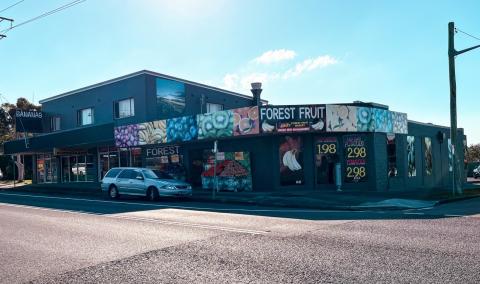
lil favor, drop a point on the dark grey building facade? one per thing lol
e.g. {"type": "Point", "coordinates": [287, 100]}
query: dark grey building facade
{"type": "Point", "coordinates": [148, 119]}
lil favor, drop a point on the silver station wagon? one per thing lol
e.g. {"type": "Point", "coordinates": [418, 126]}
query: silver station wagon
{"type": "Point", "coordinates": [143, 182]}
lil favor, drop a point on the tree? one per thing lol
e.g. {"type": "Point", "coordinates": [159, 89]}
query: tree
{"type": "Point", "coordinates": [473, 153]}
{"type": "Point", "coordinates": [7, 117]}
{"type": "Point", "coordinates": [7, 133]}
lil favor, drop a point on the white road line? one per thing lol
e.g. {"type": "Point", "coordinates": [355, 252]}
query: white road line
{"type": "Point", "coordinates": [142, 219]}
{"type": "Point", "coordinates": [180, 207]}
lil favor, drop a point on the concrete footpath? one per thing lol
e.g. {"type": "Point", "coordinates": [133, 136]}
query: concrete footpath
{"type": "Point", "coordinates": [314, 199]}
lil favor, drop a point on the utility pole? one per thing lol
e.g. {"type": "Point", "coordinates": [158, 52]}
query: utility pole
{"type": "Point", "coordinates": [456, 176]}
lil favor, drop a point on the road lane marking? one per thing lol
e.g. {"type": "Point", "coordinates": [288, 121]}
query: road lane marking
{"type": "Point", "coordinates": [143, 219]}
{"type": "Point", "coordinates": [184, 207]}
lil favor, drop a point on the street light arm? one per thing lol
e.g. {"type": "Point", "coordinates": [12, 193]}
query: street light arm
{"type": "Point", "coordinates": [465, 50]}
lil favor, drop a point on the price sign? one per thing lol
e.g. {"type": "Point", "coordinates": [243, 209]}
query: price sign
{"type": "Point", "coordinates": [355, 158]}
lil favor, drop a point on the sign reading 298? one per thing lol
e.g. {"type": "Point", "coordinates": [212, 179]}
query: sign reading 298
{"type": "Point", "coordinates": [355, 159]}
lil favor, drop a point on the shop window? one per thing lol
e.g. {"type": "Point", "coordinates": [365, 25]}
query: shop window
{"type": "Point", "coordinates": [356, 157]}
{"type": "Point", "coordinates": [108, 158]}
{"type": "Point", "coordinates": [55, 123]}
{"type": "Point", "coordinates": [65, 169]}
{"type": "Point", "coordinates": [89, 168]}
{"type": "Point", "coordinates": [73, 169]}
{"type": "Point", "coordinates": [214, 107]}
{"type": "Point", "coordinates": [427, 144]}
{"type": "Point", "coordinates": [124, 157]}
{"type": "Point", "coordinates": [136, 157]}
{"type": "Point", "coordinates": [124, 108]}
{"type": "Point", "coordinates": [167, 159]}
{"type": "Point", "coordinates": [40, 169]}
{"type": "Point", "coordinates": [85, 116]}
{"type": "Point", "coordinates": [392, 155]}
{"type": "Point", "coordinates": [326, 155]}
{"type": "Point", "coordinates": [412, 169]}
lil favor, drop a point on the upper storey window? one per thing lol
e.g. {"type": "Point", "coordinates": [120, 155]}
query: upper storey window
{"type": "Point", "coordinates": [170, 98]}
{"type": "Point", "coordinates": [214, 107]}
{"type": "Point", "coordinates": [124, 108]}
{"type": "Point", "coordinates": [85, 116]}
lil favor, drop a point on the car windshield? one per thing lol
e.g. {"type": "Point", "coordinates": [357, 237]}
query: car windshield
{"type": "Point", "coordinates": [156, 174]}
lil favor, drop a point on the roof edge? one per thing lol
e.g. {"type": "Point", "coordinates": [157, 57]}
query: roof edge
{"type": "Point", "coordinates": [142, 72]}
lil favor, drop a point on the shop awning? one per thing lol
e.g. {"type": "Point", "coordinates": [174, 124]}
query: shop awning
{"type": "Point", "coordinates": [84, 137]}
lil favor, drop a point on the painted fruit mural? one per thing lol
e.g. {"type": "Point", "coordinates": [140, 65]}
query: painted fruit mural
{"type": "Point", "coordinates": [400, 122]}
{"type": "Point", "coordinates": [233, 171]}
{"type": "Point", "coordinates": [153, 132]}
{"type": "Point", "coordinates": [365, 119]}
{"type": "Point", "coordinates": [383, 120]}
{"type": "Point", "coordinates": [291, 160]}
{"type": "Point", "coordinates": [245, 121]}
{"type": "Point", "coordinates": [181, 129]}
{"type": "Point", "coordinates": [215, 125]}
{"type": "Point", "coordinates": [126, 135]}
{"type": "Point", "coordinates": [341, 118]}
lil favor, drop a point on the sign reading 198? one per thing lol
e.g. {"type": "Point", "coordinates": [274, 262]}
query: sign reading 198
{"type": "Point", "coordinates": [327, 148]}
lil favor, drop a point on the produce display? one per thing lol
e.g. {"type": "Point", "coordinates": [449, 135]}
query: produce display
{"type": "Point", "coordinates": [245, 121]}
{"type": "Point", "coordinates": [181, 129]}
{"type": "Point", "coordinates": [215, 125]}
{"type": "Point", "coordinates": [365, 119]}
{"type": "Point", "coordinates": [152, 132]}
{"type": "Point", "coordinates": [233, 172]}
{"type": "Point", "coordinates": [126, 135]}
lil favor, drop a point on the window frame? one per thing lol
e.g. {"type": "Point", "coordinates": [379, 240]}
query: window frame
{"type": "Point", "coordinates": [79, 116]}
{"type": "Point", "coordinates": [222, 107]}
{"type": "Point", "coordinates": [53, 125]}
{"type": "Point", "coordinates": [116, 108]}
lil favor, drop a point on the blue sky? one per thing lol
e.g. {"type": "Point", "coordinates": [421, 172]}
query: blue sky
{"type": "Point", "coordinates": [390, 52]}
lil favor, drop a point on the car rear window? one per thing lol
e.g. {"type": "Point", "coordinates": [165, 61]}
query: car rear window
{"type": "Point", "coordinates": [126, 174]}
{"type": "Point", "coordinates": [112, 173]}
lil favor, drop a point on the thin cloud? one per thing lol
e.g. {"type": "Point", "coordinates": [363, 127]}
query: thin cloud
{"type": "Point", "coordinates": [241, 81]}
{"type": "Point", "coordinates": [273, 56]}
{"type": "Point", "coordinates": [309, 65]}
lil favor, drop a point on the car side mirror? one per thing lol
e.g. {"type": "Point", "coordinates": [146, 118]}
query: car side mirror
{"type": "Point", "coordinates": [139, 178]}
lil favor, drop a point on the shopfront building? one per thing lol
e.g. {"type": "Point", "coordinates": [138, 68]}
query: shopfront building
{"type": "Point", "coordinates": [151, 120]}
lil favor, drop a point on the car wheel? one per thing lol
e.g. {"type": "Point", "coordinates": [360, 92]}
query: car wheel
{"type": "Point", "coordinates": [113, 192]}
{"type": "Point", "coordinates": [152, 194]}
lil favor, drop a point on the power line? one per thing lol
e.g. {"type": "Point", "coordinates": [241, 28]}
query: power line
{"type": "Point", "coordinates": [12, 6]}
{"type": "Point", "coordinates": [458, 30]}
{"type": "Point", "coordinates": [61, 8]}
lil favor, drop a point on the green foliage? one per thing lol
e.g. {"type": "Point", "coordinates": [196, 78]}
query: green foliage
{"type": "Point", "coordinates": [7, 117]}
{"type": "Point", "coordinates": [473, 153]}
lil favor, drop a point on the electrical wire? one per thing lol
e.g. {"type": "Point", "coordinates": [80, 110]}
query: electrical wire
{"type": "Point", "coordinates": [458, 30]}
{"type": "Point", "coordinates": [12, 6]}
{"type": "Point", "coordinates": [61, 8]}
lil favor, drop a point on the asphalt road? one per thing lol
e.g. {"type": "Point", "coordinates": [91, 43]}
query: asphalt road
{"type": "Point", "coordinates": [59, 239]}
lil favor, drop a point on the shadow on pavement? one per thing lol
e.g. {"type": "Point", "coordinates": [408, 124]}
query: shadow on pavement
{"type": "Point", "coordinates": [101, 206]}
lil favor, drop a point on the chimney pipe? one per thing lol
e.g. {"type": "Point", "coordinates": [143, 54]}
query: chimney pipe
{"type": "Point", "coordinates": [256, 91]}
